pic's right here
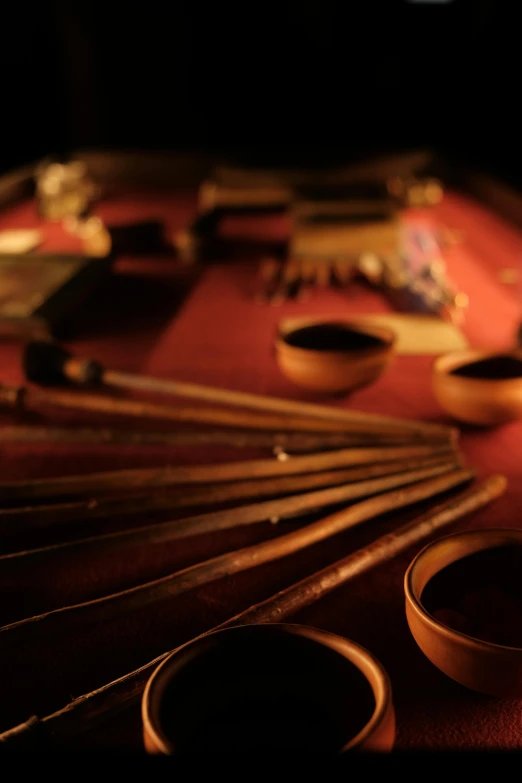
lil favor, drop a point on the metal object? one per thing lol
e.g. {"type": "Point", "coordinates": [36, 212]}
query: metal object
{"type": "Point", "coordinates": [64, 190]}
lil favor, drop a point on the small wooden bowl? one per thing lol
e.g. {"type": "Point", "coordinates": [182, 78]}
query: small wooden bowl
{"type": "Point", "coordinates": [333, 356]}
{"type": "Point", "coordinates": [268, 688]}
{"type": "Point", "coordinates": [485, 401]}
{"type": "Point", "coordinates": [464, 608]}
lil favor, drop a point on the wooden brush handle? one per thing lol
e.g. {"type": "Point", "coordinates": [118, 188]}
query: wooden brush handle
{"type": "Point", "coordinates": [353, 420]}
{"type": "Point", "coordinates": [32, 398]}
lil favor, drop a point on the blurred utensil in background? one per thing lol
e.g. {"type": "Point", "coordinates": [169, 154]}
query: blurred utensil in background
{"type": "Point", "coordinates": [343, 271]}
{"type": "Point", "coordinates": [64, 190]}
{"type": "Point", "coordinates": [412, 191]}
{"type": "Point", "coordinates": [414, 277]}
{"type": "Point", "coordinates": [269, 274]}
{"type": "Point", "coordinates": [289, 283]}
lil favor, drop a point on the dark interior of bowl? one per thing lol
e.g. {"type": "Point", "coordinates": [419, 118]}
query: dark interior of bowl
{"type": "Point", "coordinates": [492, 368]}
{"type": "Point", "coordinates": [263, 692]}
{"type": "Point", "coordinates": [332, 337]}
{"type": "Point", "coordinates": [480, 595]}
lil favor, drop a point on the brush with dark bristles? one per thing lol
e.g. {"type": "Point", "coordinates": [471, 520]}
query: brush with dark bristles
{"type": "Point", "coordinates": [48, 364]}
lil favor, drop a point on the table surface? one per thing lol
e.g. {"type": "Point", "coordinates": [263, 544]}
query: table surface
{"type": "Point", "coordinates": [202, 325]}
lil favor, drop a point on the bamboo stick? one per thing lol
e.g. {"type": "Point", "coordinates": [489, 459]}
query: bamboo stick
{"type": "Point", "coordinates": [26, 398]}
{"type": "Point", "coordinates": [218, 472]}
{"type": "Point", "coordinates": [45, 362]}
{"type": "Point", "coordinates": [101, 609]}
{"type": "Point", "coordinates": [291, 442]}
{"type": "Point", "coordinates": [78, 716]}
{"type": "Point", "coordinates": [27, 518]}
{"type": "Point", "coordinates": [273, 510]}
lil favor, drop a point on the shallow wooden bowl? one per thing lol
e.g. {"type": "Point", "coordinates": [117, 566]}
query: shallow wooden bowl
{"type": "Point", "coordinates": [268, 688]}
{"type": "Point", "coordinates": [304, 356]}
{"type": "Point", "coordinates": [464, 608]}
{"type": "Point", "coordinates": [482, 401]}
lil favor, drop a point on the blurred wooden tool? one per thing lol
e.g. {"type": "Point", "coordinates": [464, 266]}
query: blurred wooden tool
{"type": "Point", "coordinates": [289, 283]}
{"type": "Point", "coordinates": [269, 274]}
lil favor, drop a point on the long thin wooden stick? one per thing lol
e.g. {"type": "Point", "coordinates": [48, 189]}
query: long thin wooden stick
{"type": "Point", "coordinates": [45, 363]}
{"type": "Point", "coordinates": [274, 510]}
{"type": "Point", "coordinates": [78, 716]}
{"type": "Point", "coordinates": [201, 474]}
{"type": "Point", "coordinates": [291, 442]}
{"type": "Point", "coordinates": [26, 398]}
{"type": "Point", "coordinates": [101, 609]}
{"type": "Point", "coordinates": [24, 519]}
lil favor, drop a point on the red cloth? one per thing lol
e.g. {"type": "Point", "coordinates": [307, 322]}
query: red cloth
{"type": "Point", "coordinates": [160, 318]}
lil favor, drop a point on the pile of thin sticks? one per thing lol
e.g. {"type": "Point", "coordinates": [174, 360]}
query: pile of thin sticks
{"type": "Point", "coordinates": [353, 467]}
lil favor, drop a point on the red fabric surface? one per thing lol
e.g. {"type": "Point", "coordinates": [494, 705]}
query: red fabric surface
{"type": "Point", "coordinates": [204, 327]}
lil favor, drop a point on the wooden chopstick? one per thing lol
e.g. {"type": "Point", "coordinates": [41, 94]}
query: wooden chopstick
{"type": "Point", "coordinates": [101, 609]}
{"type": "Point", "coordinates": [59, 728]}
{"type": "Point", "coordinates": [227, 471]}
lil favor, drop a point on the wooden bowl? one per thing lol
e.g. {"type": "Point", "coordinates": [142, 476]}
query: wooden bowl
{"type": "Point", "coordinates": [464, 608]}
{"type": "Point", "coordinates": [268, 688]}
{"type": "Point", "coordinates": [333, 356]}
{"type": "Point", "coordinates": [474, 397]}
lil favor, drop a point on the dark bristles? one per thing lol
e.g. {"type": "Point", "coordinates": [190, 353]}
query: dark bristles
{"type": "Point", "coordinates": [44, 362]}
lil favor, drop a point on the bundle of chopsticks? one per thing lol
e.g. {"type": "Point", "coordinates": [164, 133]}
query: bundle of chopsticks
{"type": "Point", "coordinates": [347, 466]}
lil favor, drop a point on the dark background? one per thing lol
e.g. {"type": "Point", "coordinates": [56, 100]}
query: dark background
{"type": "Point", "coordinates": [295, 81]}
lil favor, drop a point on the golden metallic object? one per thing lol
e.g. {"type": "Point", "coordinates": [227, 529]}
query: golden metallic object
{"type": "Point", "coordinates": [95, 236]}
{"type": "Point", "coordinates": [64, 190]}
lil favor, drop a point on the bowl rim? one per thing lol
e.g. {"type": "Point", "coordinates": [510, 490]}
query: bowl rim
{"type": "Point", "coordinates": [500, 535]}
{"type": "Point", "coordinates": [443, 365]}
{"type": "Point", "coordinates": [369, 666]}
{"type": "Point", "coordinates": [286, 326]}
